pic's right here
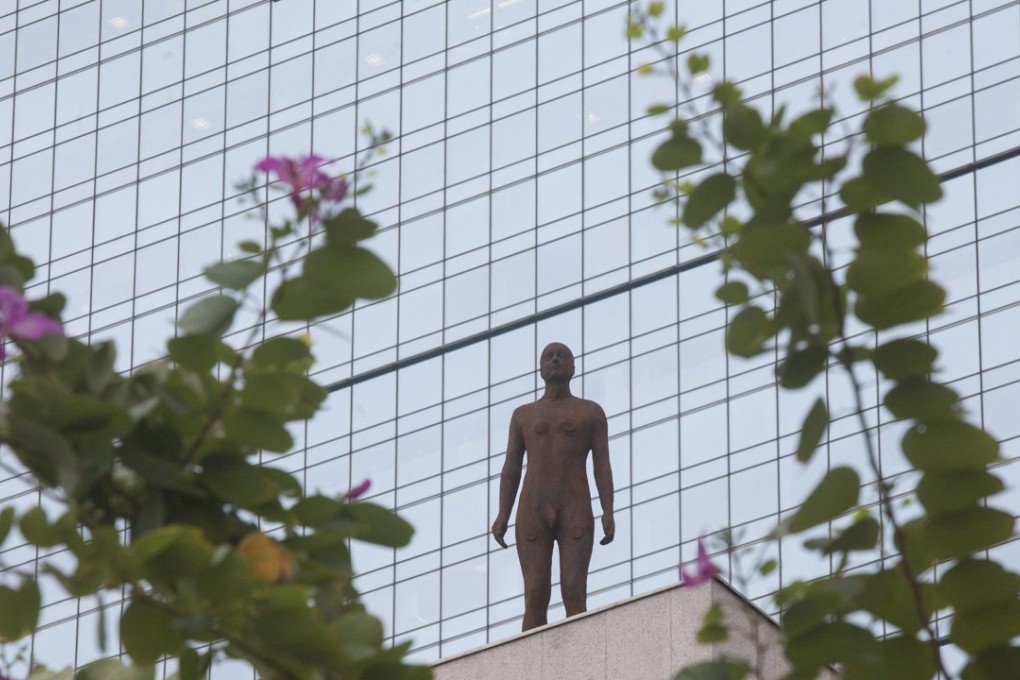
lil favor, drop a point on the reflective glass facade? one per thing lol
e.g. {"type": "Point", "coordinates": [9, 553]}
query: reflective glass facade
{"type": "Point", "coordinates": [517, 209]}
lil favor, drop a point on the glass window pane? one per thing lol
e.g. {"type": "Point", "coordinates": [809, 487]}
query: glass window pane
{"type": "Point", "coordinates": [162, 63]}
{"type": "Point", "coordinates": [37, 43]}
{"type": "Point", "coordinates": [205, 48]}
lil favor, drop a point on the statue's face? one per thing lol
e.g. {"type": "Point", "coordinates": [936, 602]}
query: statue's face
{"type": "Point", "coordinates": [556, 363]}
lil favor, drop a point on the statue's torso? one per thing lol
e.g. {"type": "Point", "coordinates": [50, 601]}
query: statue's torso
{"type": "Point", "coordinates": [557, 438]}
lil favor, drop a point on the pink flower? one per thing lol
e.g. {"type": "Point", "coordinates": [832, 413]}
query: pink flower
{"type": "Point", "coordinates": [303, 174]}
{"type": "Point", "coordinates": [704, 570]}
{"type": "Point", "coordinates": [359, 490]}
{"type": "Point", "coordinates": [17, 322]}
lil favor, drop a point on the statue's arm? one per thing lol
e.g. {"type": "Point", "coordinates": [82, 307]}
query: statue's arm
{"type": "Point", "coordinates": [509, 480]}
{"type": "Point", "coordinates": [603, 473]}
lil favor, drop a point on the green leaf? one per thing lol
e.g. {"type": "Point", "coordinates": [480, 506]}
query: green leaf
{"type": "Point", "coordinates": [918, 301]}
{"type": "Point", "coordinates": [766, 249]}
{"type": "Point", "coordinates": [697, 63]}
{"type": "Point", "coordinates": [657, 109]}
{"type": "Point", "coordinates": [976, 584]}
{"type": "Point", "coordinates": [361, 635]}
{"type": "Point", "coordinates": [893, 124]}
{"type": "Point", "coordinates": [45, 452]}
{"type": "Point", "coordinates": [727, 94]}
{"type": "Point", "coordinates": [193, 666]}
{"type": "Point", "coordinates": [236, 275]}
{"type": "Point", "coordinates": [809, 607]}
{"type": "Point", "coordinates": [676, 153]}
{"type": "Point", "coordinates": [801, 366]}
{"type": "Point", "coordinates": [380, 525]}
{"type": "Point", "coordinates": [347, 270]}
{"type": "Point", "coordinates": [211, 315]}
{"type": "Point", "coordinates": [99, 371]}
{"type": "Point", "coordinates": [732, 293]}
{"type": "Point", "coordinates": [7, 250]}
{"type": "Point", "coordinates": [199, 352]}
{"type": "Point", "coordinates": [281, 352]}
{"type": "Point", "coordinates": [237, 482]}
{"type": "Point", "coordinates": [20, 610]}
{"type": "Point", "coordinates": [878, 231]}
{"type": "Point", "coordinates": [962, 533]}
{"type": "Point", "coordinates": [51, 305]}
{"type": "Point", "coordinates": [250, 247]}
{"type": "Point", "coordinates": [899, 359]}
{"type": "Point", "coordinates": [743, 127]}
{"type": "Point", "coordinates": [154, 543]}
{"type": "Point", "coordinates": [298, 633]}
{"type": "Point", "coordinates": [920, 399]}
{"type": "Point", "coordinates": [158, 470]}
{"type": "Point", "coordinates": [887, 595]}
{"type": "Point", "coordinates": [837, 642]}
{"type": "Point", "coordinates": [979, 629]}
{"type": "Point", "coordinates": [113, 669]}
{"type": "Point", "coordinates": [949, 445]}
{"type": "Point", "coordinates": [317, 510]}
{"type": "Point", "coordinates": [708, 199]}
{"type": "Point", "coordinates": [147, 633]}
{"type": "Point", "coordinates": [6, 522]}
{"type": "Point", "coordinates": [860, 195]}
{"type": "Point", "coordinates": [993, 663]}
{"type": "Point", "coordinates": [956, 490]}
{"type": "Point", "coordinates": [868, 88]}
{"type": "Point", "coordinates": [812, 123]}
{"type": "Point", "coordinates": [37, 529]}
{"type": "Point", "coordinates": [713, 626]}
{"type": "Point", "coordinates": [813, 430]}
{"type": "Point", "coordinates": [258, 429]}
{"type": "Point", "coordinates": [903, 175]}
{"type": "Point", "coordinates": [288, 396]}
{"type": "Point", "coordinates": [879, 272]}
{"type": "Point", "coordinates": [748, 331]}
{"type": "Point", "coordinates": [730, 225]}
{"type": "Point", "coordinates": [862, 535]}
{"type": "Point", "coordinates": [43, 673]}
{"type": "Point", "coordinates": [301, 299]}
{"type": "Point", "coordinates": [895, 658]}
{"type": "Point", "coordinates": [715, 670]}
{"type": "Point", "coordinates": [835, 494]}
{"type": "Point", "coordinates": [348, 227]}
{"type": "Point", "coordinates": [825, 169]}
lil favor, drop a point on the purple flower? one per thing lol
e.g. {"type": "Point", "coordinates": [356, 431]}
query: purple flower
{"type": "Point", "coordinates": [356, 492]}
{"type": "Point", "coordinates": [17, 322]}
{"type": "Point", "coordinates": [303, 174]}
{"type": "Point", "coordinates": [704, 570]}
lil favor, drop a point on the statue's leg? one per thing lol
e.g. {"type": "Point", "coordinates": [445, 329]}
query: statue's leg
{"type": "Point", "coordinates": [534, 549]}
{"type": "Point", "coordinates": [575, 555]}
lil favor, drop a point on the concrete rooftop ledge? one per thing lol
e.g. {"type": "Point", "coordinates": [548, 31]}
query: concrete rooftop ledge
{"type": "Point", "coordinates": [648, 637]}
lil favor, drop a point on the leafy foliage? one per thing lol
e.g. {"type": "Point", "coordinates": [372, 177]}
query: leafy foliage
{"type": "Point", "coordinates": [747, 206]}
{"type": "Point", "coordinates": [159, 480]}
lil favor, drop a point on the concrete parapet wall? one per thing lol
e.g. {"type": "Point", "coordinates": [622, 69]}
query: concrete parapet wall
{"type": "Point", "coordinates": [649, 637]}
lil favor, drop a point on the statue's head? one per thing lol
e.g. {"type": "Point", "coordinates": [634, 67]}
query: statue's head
{"type": "Point", "coordinates": [556, 363]}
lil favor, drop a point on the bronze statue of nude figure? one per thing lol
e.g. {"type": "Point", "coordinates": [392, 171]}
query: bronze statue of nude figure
{"type": "Point", "coordinates": [557, 431]}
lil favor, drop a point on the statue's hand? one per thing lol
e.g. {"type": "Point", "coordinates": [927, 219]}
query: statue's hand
{"type": "Point", "coordinates": [608, 528]}
{"type": "Point", "coordinates": [499, 530]}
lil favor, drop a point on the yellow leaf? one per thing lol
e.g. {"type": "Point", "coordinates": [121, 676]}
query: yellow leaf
{"type": "Point", "coordinates": [269, 560]}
